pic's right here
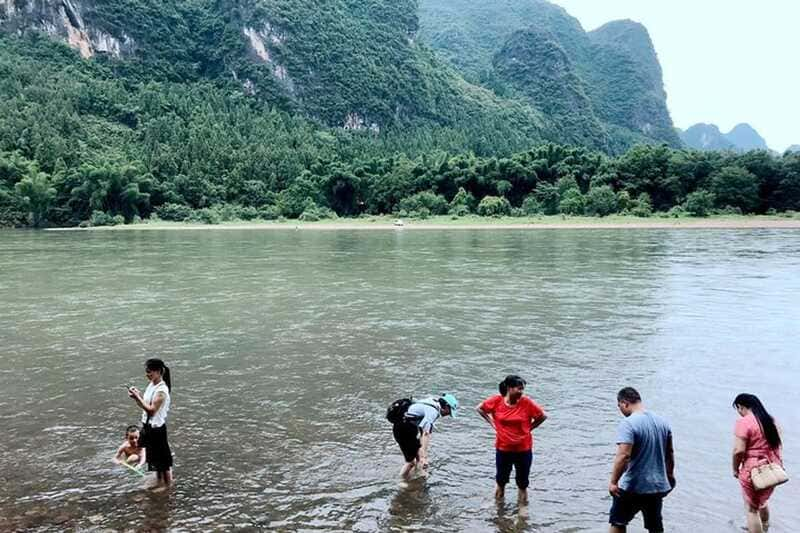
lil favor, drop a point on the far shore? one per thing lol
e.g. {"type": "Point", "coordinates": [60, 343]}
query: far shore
{"type": "Point", "coordinates": [473, 223]}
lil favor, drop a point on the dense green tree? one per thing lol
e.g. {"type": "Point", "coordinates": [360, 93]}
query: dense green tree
{"type": "Point", "coordinates": [735, 187]}
{"type": "Point", "coordinates": [572, 202]}
{"type": "Point", "coordinates": [462, 203]}
{"type": "Point", "coordinates": [37, 195]}
{"type": "Point", "coordinates": [113, 189]}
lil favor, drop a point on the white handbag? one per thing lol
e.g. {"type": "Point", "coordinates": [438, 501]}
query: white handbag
{"type": "Point", "coordinates": [768, 476]}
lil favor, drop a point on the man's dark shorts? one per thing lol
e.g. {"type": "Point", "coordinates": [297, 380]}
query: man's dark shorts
{"type": "Point", "coordinates": [624, 508]}
{"type": "Point", "coordinates": [407, 436]}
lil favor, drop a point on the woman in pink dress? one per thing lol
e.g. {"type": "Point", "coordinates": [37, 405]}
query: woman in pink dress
{"type": "Point", "coordinates": [757, 442]}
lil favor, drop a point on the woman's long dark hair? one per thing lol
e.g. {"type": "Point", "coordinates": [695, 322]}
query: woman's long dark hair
{"type": "Point", "coordinates": [157, 365]}
{"type": "Point", "coordinates": [510, 381]}
{"type": "Point", "coordinates": [765, 420]}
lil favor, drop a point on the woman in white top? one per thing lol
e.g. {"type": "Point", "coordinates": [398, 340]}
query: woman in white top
{"type": "Point", "coordinates": [155, 403]}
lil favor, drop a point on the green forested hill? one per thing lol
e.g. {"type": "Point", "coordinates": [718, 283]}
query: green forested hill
{"type": "Point", "coordinates": [611, 74]}
{"type": "Point", "coordinates": [217, 109]}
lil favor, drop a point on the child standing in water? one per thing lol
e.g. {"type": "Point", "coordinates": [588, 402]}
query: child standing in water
{"type": "Point", "coordinates": [131, 452]}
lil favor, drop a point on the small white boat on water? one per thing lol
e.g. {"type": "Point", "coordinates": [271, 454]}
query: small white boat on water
{"type": "Point", "coordinates": [399, 223]}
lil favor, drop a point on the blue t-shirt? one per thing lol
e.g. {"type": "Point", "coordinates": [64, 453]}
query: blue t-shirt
{"type": "Point", "coordinates": [647, 470]}
{"type": "Point", "coordinates": [424, 414]}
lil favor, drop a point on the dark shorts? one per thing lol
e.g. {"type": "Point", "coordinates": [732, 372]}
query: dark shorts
{"type": "Point", "coordinates": [521, 461]}
{"type": "Point", "coordinates": [159, 456]}
{"type": "Point", "coordinates": [407, 436]}
{"type": "Point", "coordinates": [624, 508]}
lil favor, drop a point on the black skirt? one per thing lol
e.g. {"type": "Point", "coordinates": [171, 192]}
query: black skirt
{"type": "Point", "coordinates": [159, 456]}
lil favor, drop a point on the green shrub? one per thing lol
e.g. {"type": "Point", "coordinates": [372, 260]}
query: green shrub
{"type": "Point", "coordinates": [531, 206]}
{"type": "Point", "coordinates": [676, 212]}
{"type": "Point", "coordinates": [729, 210]}
{"type": "Point", "coordinates": [624, 201]}
{"type": "Point", "coordinates": [174, 212]}
{"type": "Point", "coordinates": [313, 212]}
{"type": "Point", "coordinates": [493, 206]}
{"type": "Point", "coordinates": [205, 216]}
{"type": "Point", "coordinates": [309, 216]}
{"type": "Point", "coordinates": [572, 203]}
{"type": "Point", "coordinates": [459, 211]}
{"type": "Point", "coordinates": [548, 197]}
{"type": "Point", "coordinates": [641, 207]}
{"type": "Point", "coordinates": [601, 201]}
{"type": "Point", "coordinates": [100, 218]}
{"type": "Point", "coordinates": [271, 212]}
{"type": "Point", "coordinates": [699, 203]}
{"type": "Point", "coordinates": [434, 203]}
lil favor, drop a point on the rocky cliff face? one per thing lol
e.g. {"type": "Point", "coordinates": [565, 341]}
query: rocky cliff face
{"type": "Point", "coordinates": [62, 19]}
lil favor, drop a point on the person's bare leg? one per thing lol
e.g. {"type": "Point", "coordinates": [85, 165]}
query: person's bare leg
{"type": "Point", "coordinates": [616, 529]}
{"type": "Point", "coordinates": [499, 491]}
{"type": "Point", "coordinates": [764, 514]}
{"type": "Point", "coordinates": [754, 524]}
{"type": "Point", "coordinates": [405, 472]}
{"type": "Point", "coordinates": [522, 502]}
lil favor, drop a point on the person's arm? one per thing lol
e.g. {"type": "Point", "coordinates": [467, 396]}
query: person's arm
{"type": "Point", "coordinates": [149, 408]}
{"type": "Point", "coordinates": [120, 455]}
{"type": "Point", "coordinates": [425, 442]}
{"type": "Point", "coordinates": [739, 449]}
{"type": "Point", "coordinates": [142, 457]}
{"type": "Point", "coordinates": [486, 416]}
{"type": "Point", "coordinates": [621, 461]}
{"type": "Point", "coordinates": [670, 462]}
{"type": "Point", "coordinates": [538, 421]}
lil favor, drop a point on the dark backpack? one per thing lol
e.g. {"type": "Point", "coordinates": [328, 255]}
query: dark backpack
{"type": "Point", "coordinates": [397, 411]}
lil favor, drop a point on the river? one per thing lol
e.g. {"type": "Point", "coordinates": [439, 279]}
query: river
{"type": "Point", "coordinates": [286, 347]}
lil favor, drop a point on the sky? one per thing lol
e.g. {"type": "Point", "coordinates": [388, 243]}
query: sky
{"type": "Point", "coordinates": [724, 61]}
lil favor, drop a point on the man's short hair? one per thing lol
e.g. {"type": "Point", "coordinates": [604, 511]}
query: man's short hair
{"type": "Point", "coordinates": [629, 395]}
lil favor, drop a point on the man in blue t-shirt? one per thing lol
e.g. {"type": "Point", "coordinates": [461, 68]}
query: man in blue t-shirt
{"type": "Point", "coordinates": [644, 467]}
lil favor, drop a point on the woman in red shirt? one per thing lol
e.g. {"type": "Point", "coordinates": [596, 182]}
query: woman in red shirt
{"type": "Point", "coordinates": [513, 416]}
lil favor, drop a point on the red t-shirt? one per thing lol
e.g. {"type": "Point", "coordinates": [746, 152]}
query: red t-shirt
{"type": "Point", "coordinates": [513, 422]}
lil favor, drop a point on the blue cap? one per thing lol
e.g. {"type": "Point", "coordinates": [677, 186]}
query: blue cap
{"type": "Point", "coordinates": [451, 402]}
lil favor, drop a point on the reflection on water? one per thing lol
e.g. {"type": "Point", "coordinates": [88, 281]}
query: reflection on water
{"type": "Point", "coordinates": [286, 348]}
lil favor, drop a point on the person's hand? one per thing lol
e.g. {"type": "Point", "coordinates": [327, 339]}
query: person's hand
{"type": "Point", "coordinates": [133, 392]}
{"type": "Point", "coordinates": [614, 490]}
{"type": "Point", "coordinates": [672, 482]}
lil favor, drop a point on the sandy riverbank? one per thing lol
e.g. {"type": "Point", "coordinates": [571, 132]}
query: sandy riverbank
{"type": "Point", "coordinates": [476, 223]}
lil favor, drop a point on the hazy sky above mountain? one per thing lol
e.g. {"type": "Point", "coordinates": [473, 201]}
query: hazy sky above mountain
{"type": "Point", "coordinates": [724, 61]}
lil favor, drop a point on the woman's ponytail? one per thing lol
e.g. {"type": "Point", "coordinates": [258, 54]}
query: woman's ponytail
{"type": "Point", "coordinates": [503, 388]}
{"type": "Point", "coordinates": [166, 377]}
